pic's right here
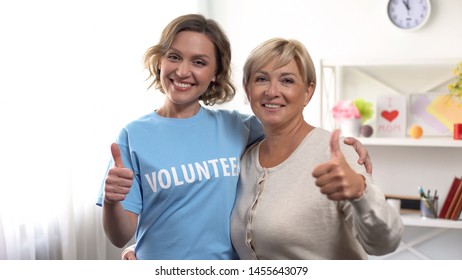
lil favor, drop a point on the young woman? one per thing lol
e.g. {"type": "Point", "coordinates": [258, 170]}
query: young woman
{"type": "Point", "coordinates": [176, 168]}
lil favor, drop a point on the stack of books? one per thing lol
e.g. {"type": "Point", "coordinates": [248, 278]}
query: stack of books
{"type": "Point", "coordinates": [452, 206]}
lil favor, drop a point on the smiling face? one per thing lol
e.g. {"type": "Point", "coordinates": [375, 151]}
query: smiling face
{"type": "Point", "coordinates": [278, 95]}
{"type": "Point", "coordinates": [186, 70]}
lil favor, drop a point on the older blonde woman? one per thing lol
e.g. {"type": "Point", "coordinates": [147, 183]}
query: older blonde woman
{"type": "Point", "coordinates": [301, 193]}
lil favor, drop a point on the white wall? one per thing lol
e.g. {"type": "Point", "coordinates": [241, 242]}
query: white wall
{"type": "Point", "coordinates": [338, 29]}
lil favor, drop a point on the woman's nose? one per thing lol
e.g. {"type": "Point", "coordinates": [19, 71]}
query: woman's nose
{"type": "Point", "coordinates": [272, 89]}
{"type": "Point", "coordinates": [183, 69]}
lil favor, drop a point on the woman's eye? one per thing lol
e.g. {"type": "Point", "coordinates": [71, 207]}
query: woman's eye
{"type": "Point", "coordinates": [287, 81]}
{"type": "Point", "coordinates": [260, 79]}
{"type": "Point", "coordinates": [173, 57]}
{"type": "Point", "coordinates": [200, 62]}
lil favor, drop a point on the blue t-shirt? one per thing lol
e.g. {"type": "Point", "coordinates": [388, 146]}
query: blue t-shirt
{"type": "Point", "coordinates": [186, 173]}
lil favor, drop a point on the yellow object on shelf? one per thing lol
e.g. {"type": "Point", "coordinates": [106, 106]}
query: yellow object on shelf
{"type": "Point", "coordinates": [416, 131]}
{"type": "Point", "coordinates": [447, 110]}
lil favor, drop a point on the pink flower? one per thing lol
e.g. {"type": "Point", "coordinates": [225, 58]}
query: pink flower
{"type": "Point", "coordinates": [345, 109]}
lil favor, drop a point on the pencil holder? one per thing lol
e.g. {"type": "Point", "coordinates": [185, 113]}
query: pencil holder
{"type": "Point", "coordinates": [429, 207]}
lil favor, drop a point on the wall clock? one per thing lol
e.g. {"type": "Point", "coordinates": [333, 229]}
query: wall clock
{"type": "Point", "coordinates": [409, 14]}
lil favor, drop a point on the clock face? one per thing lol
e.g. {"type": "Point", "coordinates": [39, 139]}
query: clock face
{"type": "Point", "coordinates": [409, 14]}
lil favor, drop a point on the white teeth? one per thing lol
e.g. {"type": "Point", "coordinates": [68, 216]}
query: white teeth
{"type": "Point", "coordinates": [181, 84]}
{"type": "Point", "coordinates": [272, 106]}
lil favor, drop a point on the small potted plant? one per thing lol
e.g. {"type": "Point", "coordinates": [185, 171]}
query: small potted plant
{"type": "Point", "coordinates": [352, 115]}
{"type": "Point", "coordinates": [364, 109]}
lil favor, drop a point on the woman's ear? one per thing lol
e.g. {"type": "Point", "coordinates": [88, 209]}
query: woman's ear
{"type": "Point", "coordinates": [158, 67]}
{"type": "Point", "coordinates": [309, 93]}
{"type": "Point", "coordinates": [246, 89]}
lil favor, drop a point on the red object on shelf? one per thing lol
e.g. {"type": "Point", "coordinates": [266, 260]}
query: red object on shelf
{"type": "Point", "coordinates": [458, 131]}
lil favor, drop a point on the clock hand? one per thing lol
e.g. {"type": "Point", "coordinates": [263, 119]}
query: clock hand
{"type": "Point", "coordinates": [406, 3]}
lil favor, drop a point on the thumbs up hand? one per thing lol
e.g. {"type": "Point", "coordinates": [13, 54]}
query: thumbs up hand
{"type": "Point", "coordinates": [119, 179]}
{"type": "Point", "coordinates": [335, 178]}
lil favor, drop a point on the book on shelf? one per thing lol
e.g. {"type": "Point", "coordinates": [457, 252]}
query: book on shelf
{"type": "Point", "coordinates": [458, 208]}
{"type": "Point", "coordinates": [454, 202]}
{"type": "Point", "coordinates": [449, 197]}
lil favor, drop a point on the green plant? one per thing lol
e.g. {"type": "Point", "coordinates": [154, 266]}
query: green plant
{"type": "Point", "coordinates": [455, 88]}
{"type": "Point", "coordinates": [365, 109]}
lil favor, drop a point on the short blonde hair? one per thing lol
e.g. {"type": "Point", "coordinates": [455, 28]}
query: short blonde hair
{"type": "Point", "coordinates": [284, 51]}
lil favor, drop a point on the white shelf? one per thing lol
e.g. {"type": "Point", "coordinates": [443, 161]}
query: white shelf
{"type": "Point", "coordinates": [443, 142]}
{"type": "Point", "coordinates": [452, 61]}
{"type": "Point", "coordinates": [418, 221]}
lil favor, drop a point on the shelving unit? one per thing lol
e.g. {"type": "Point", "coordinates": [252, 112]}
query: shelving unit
{"type": "Point", "coordinates": [340, 79]}
{"type": "Point", "coordinates": [438, 142]}
{"type": "Point", "coordinates": [418, 221]}
{"type": "Point", "coordinates": [402, 164]}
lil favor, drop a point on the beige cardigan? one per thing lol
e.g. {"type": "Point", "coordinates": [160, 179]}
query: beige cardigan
{"type": "Point", "coordinates": [281, 214]}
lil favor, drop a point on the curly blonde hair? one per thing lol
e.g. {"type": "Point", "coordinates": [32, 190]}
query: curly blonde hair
{"type": "Point", "coordinates": [218, 92]}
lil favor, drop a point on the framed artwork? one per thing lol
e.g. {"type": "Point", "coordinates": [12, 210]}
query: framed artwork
{"type": "Point", "coordinates": [435, 112]}
{"type": "Point", "coordinates": [391, 116]}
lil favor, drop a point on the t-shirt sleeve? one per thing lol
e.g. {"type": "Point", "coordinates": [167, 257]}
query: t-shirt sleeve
{"type": "Point", "coordinates": [255, 128]}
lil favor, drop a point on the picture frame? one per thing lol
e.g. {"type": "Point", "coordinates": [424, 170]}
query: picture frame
{"type": "Point", "coordinates": [434, 112]}
{"type": "Point", "coordinates": [391, 111]}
